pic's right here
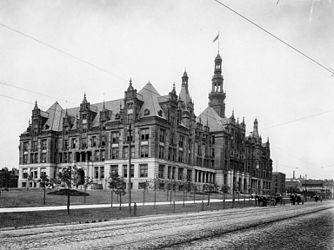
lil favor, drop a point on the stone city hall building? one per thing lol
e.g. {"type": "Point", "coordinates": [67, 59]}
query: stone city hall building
{"type": "Point", "coordinates": [167, 140]}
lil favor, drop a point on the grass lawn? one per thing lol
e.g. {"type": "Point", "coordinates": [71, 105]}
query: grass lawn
{"type": "Point", "coordinates": [34, 197]}
{"type": "Point", "coordinates": [102, 214]}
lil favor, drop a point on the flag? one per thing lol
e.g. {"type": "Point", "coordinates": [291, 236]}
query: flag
{"type": "Point", "coordinates": [216, 38]}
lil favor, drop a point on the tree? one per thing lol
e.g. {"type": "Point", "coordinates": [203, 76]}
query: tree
{"type": "Point", "coordinates": [88, 181]}
{"type": "Point", "coordinates": [117, 185]}
{"type": "Point", "coordinates": [208, 188]}
{"type": "Point", "coordinates": [155, 184]}
{"type": "Point", "coordinates": [44, 181]}
{"type": "Point", "coordinates": [224, 189]}
{"type": "Point", "coordinates": [145, 186]}
{"type": "Point", "coordinates": [68, 176]}
{"type": "Point", "coordinates": [30, 180]}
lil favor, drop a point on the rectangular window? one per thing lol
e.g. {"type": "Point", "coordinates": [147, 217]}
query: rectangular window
{"type": "Point", "coordinates": [129, 136]}
{"type": "Point", "coordinates": [43, 172]}
{"type": "Point", "coordinates": [161, 171]}
{"type": "Point", "coordinates": [115, 137]}
{"type": "Point", "coordinates": [84, 143]}
{"type": "Point", "coordinates": [144, 134]}
{"type": "Point", "coordinates": [96, 172]}
{"type": "Point", "coordinates": [34, 146]}
{"type": "Point", "coordinates": [70, 157]}
{"type": "Point", "coordinates": [180, 156]}
{"type": "Point", "coordinates": [174, 154]}
{"type": "Point", "coordinates": [173, 172]}
{"type": "Point", "coordinates": [161, 152]}
{"type": "Point", "coordinates": [97, 155]}
{"type": "Point", "coordinates": [189, 175]}
{"type": "Point", "coordinates": [162, 135]}
{"type": "Point", "coordinates": [181, 141]}
{"type": "Point", "coordinates": [144, 151]}
{"type": "Point", "coordinates": [132, 170]}
{"type": "Point", "coordinates": [25, 146]}
{"type": "Point", "coordinates": [125, 152]}
{"type": "Point", "coordinates": [143, 170]}
{"type": "Point", "coordinates": [169, 153]}
{"type": "Point", "coordinates": [103, 141]}
{"type": "Point", "coordinates": [43, 157]}
{"type": "Point", "coordinates": [171, 139]}
{"type": "Point", "coordinates": [212, 152]}
{"type": "Point", "coordinates": [132, 152]}
{"type": "Point", "coordinates": [114, 169]}
{"type": "Point", "coordinates": [25, 158]}
{"type": "Point", "coordinates": [93, 142]}
{"type": "Point", "coordinates": [44, 146]}
{"type": "Point", "coordinates": [114, 153]}
{"type": "Point", "coordinates": [35, 173]}
{"type": "Point", "coordinates": [73, 142]}
{"type": "Point", "coordinates": [24, 173]}
{"type": "Point", "coordinates": [32, 158]}
{"type": "Point", "coordinates": [101, 172]}
{"type": "Point", "coordinates": [65, 144]}
{"type": "Point", "coordinates": [169, 172]}
{"type": "Point", "coordinates": [103, 155]}
{"type": "Point", "coordinates": [125, 171]}
{"type": "Point", "coordinates": [65, 157]}
{"type": "Point", "coordinates": [180, 174]}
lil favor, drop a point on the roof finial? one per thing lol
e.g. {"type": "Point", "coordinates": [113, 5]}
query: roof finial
{"type": "Point", "coordinates": [84, 100]}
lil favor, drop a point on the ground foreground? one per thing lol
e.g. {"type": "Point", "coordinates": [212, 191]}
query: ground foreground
{"type": "Point", "coordinates": [284, 227]}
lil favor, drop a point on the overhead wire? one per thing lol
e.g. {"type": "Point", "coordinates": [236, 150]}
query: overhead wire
{"type": "Point", "coordinates": [276, 37]}
{"type": "Point", "coordinates": [60, 51]}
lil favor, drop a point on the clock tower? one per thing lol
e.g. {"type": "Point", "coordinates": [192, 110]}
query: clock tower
{"type": "Point", "coordinates": [217, 95]}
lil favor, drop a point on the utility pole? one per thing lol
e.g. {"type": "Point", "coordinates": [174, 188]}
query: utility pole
{"type": "Point", "coordinates": [129, 169]}
{"type": "Point", "coordinates": [233, 198]}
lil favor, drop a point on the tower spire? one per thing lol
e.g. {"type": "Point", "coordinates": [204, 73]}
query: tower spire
{"type": "Point", "coordinates": [217, 95]}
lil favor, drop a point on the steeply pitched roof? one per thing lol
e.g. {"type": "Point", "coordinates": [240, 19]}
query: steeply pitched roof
{"type": "Point", "coordinates": [184, 95]}
{"type": "Point", "coordinates": [55, 119]}
{"type": "Point", "coordinates": [215, 122]}
{"type": "Point", "coordinates": [151, 100]}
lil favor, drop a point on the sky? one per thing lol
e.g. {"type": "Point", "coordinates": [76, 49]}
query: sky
{"type": "Point", "coordinates": [57, 50]}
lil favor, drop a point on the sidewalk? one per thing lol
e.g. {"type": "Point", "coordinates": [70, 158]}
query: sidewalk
{"type": "Point", "coordinates": [54, 208]}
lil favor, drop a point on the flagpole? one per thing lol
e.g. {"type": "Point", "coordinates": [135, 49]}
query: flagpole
{"type": "Point", "coordinates": [218, 41]}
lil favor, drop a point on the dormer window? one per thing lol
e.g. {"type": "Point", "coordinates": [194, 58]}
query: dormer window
{"type": "Point", "coordinates": [160, 112]}
{"type": "Point", "coordinates": [146, 112]}
{"type": "Point", "coordinates": [117, 116]}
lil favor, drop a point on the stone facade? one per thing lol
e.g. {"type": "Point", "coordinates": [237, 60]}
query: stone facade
{"type": "Point", "coordinates": [278, 184]}
{"type": "Point", "coordinates": [167, 140]}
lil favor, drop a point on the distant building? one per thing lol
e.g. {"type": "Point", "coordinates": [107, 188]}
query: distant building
{"type": "Point", "coordinates": [324, 187]}
{"type": "Point", "coordinates": [278, 183]}
{"type": "Point", "coordinates": [293, 185]}
{"type": "Point", "coordinates": [168, 141]}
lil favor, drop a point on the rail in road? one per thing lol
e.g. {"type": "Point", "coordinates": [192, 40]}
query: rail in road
{"type": "Point", "coordinates": [152, 231]}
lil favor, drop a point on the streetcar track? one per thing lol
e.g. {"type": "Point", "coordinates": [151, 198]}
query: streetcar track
{"type": "Point", "coordinates": [212, 234]}
{"type": "Point", "coordinates": [157, 221]}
